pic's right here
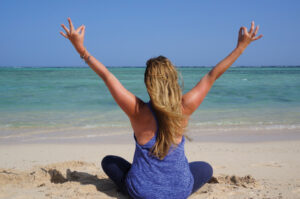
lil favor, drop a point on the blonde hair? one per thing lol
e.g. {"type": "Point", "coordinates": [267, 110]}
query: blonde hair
{"type": "Point", "coordinates": [161, 80]}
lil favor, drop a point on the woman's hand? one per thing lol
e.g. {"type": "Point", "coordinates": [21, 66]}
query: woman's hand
{"type": "Point", "coordinates": [245, 37]}
{"type": "Point", "coordinates": [76, 37]}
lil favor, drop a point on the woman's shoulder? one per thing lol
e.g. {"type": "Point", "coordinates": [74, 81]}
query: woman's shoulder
{"type": "Point", "coordinates": [144, 126]}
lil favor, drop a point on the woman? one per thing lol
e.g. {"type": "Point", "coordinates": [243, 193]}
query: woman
{"type": "Point", "coordinates": [160, 168]}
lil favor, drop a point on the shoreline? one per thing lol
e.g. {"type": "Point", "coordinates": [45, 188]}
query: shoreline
{"type": "Point", "coordinates": [124, 135]}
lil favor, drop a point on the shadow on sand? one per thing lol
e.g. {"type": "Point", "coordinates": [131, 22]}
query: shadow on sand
{"type": "Point", "coordinates": [103, 185]}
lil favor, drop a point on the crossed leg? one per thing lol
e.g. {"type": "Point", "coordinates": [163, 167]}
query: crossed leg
{"type": "Point", "coordinates": [202, 173]}
{"type": "Point", "coordinates": [116, 169]}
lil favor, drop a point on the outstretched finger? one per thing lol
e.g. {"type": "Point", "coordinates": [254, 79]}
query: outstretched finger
{"type": "Point", "coordinates": [241, 32]}
{"type": "Point", "coordinates": [63, 34]}
{"type": "Point", "coordinates": [65, 28]}
{"type": "Point", "coordinates": [244, 29]}
{"type": "Point", "coordinates": [83, 31]}
{"type": "Point", "coordinates": [256, 30]}
{"type": "Point", "coordinates": [252, 28]}
{"type": "Point", "coordinates": [71, 25]}
{"type": "Point", "coordinates": [258, 37]}
{"type": "Point", "coordinates": [79, 29]}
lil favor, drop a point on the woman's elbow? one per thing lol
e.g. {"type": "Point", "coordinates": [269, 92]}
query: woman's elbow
{"type": "Point", "coordinates": [212, 76]}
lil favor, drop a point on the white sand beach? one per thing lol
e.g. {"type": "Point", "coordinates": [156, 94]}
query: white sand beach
{"type": "Point", "coordinates": [242, 170]}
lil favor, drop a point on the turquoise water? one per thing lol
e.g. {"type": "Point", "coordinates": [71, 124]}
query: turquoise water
{"type": "Point", "coordinates": [41, 98]}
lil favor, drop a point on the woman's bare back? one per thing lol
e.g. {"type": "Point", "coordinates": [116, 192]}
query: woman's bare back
{"type": "Point", "coordinates": [145, 127]}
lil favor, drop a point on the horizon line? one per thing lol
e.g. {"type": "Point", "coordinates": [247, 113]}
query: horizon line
{"type": "Point", "coordinates": [184, 66]}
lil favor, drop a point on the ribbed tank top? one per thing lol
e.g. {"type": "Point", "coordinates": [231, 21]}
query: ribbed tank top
{"type": "Point", "coordinates": [150, 177]}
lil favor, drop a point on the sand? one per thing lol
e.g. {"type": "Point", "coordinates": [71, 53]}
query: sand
{"type": "Point", "coordinates": [241, 170]}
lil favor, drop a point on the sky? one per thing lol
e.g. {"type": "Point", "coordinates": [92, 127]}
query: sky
{"type": "Point", "coordinates": [127, 33]}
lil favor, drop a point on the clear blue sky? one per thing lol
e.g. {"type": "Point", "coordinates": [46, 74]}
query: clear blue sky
{"type": "Point", "coordinates": [127, 33]}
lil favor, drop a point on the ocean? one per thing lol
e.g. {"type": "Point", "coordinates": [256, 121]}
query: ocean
{"type": "Point", "coordinates": [44, 103]}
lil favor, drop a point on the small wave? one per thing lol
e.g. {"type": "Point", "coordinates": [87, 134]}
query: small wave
{"type": "Point", "coordinates": [280, 126]}
{"type": "Point", "coordinates": [91, 136]}
{"type": "Point", "coordinates": [227, 125]}
{"type": "Point", "coordinates": [90, 126]}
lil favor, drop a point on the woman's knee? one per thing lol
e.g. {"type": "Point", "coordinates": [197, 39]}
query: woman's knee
{"type": "Point", "coordinates": [106, 160]}
{"type": "Point", "coordinates": [210, 170]}
{"type": "Point", "coordinates": [202, 168]}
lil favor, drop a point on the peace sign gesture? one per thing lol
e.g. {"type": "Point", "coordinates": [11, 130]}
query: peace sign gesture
{"type": "Point", "coordinates": [76, 37]}
{"type": "Point", "coordinates": [245, 37]}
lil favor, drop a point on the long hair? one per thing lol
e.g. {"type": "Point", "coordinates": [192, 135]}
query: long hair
{"type": "Point", "coordinates": [161, 80]}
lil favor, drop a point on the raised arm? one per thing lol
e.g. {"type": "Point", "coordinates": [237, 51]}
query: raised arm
{"type": "Point", "coordinates": [128, 102]}
{"type": "Point", "coordinates": [192, 99]}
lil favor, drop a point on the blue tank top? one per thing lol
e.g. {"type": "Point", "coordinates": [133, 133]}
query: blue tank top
{"type": "Point", "coordinates": [150, 177]}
